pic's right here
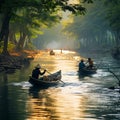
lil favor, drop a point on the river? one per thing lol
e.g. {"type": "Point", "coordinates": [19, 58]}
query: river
{"type": "Point", "coordinates": [78, 98]}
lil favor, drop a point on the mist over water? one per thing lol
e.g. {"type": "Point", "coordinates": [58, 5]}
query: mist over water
{"type": "Point", "coordinates": [56, 38]}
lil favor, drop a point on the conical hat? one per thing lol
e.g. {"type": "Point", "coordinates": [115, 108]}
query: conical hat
{"type": "Point", "coordinates": [38, 66]}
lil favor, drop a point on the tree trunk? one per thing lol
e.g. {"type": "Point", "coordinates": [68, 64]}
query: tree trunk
{"type": "Point", "coordinates": [118, 39]}
{"type": "Point", "coordinates": [12, 37]}
{"type": "Point", "coordinates": [21, 41]}
{"type": "Point", "coordinates": [5, 31]}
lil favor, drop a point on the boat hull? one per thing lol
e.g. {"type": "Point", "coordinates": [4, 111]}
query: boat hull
{"type": "Point", "coordinates": [48, 81]}
{"type": "Point", "coordinates": [87, 71]}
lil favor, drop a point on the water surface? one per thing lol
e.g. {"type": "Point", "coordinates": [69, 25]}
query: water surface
{"type": "Point", "coordinates": [80, 98]}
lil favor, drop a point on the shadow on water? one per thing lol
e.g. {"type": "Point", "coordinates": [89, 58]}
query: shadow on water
{"type": "Point", "coordinates": [34, 91]}
{"type": "Point", "coordinates": [82, 76]}
{"type": "Point", "coordinates": [4, 102]}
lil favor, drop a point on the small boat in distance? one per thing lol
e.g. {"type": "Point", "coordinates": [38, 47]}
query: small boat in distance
{"type": "Point", "coordinates": [52, 52]}
{"type": "Point", "coordinates": [47, 81]}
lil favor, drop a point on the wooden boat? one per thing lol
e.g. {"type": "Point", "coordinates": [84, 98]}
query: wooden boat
{"type": "Point", "coordinates": [47, 81]}
{"type": "Point", "coordinates": [52, 52]}
{"type": "Point", "coordinates": [88, 71]}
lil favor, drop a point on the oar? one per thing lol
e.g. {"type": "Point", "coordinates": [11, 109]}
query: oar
{"type": "Point", "coordinates": [46, 70]}
{"type": "Point", "coordinates": [115, 76]}
{"type": "Point", "coordinates": [62, 81]}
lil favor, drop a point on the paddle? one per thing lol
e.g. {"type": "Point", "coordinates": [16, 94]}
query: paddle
{"type": "Point", "coordinates": [46, 70]}
{"type": "Point", "coordinates": [51, 73]}
{"type": "Point", "coordinates": [61, 81]}
{"type": "Point", "coordinates": [115, 76]}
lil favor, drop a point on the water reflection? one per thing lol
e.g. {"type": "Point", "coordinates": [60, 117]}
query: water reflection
{"type": "Point", "coordinates": [4, 97]}
{"type": "Point", "coordinates": [58, 106]}
{"type": "Point", "coordinates": [80, 98]}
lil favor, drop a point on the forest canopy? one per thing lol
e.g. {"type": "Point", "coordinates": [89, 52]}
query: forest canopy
{"type": "Point", "coordinates": [95, 24]}
{"type": "Point", "coordinates": [22, 20]}
{"type": "Point", "coordinates": [99, 27]}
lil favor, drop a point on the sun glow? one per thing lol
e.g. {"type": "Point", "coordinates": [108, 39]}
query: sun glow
{"type": "Point", "coordinates": [64, 51]}
{"type": "Point", "coordinates": [61, 102]}
{"type": "Point", "coordinates": [74, 1]}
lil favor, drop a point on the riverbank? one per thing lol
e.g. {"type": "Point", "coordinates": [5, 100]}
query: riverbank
{"type": "Point", "coordinates": [15, 60]}
{"type": "Point", "coordinates": [104, 52]}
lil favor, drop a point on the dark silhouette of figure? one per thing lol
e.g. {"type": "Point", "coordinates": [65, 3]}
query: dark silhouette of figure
{"type": "Point", "coordinates": [81, 64]}
{"type": "Point", "coordinates": [90, 62]}
{"type": "Point", "coordinates": [36, 72]}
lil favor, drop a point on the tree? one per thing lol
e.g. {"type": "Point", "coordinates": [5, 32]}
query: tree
{"type": "Point", "coordinates": [90, 29]}
{"type": "Point", "coordinates": [113, 16]}
{"type": "Point", "coordinates": [8, 9]}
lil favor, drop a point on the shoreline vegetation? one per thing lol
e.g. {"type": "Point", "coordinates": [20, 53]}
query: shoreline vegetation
{"type": "Point", "coordinates": [15, 60]}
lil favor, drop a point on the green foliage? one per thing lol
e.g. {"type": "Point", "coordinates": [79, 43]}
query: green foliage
{"type": "Point", "coordinates": [1, 46]}
{"type": "Point", "coordinates": [29, 46]}
{"type": "Point", "coordinates": [92, 28]}
{"type": "Point", "coordinates": [113, 14]}
{"type": "Point", "coordinates": [11, 46]}
{"type": "Point", "coordinates": [30, 16]}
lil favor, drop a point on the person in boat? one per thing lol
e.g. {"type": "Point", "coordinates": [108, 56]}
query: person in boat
{"type": "Point", "coordinates": [90, 63]}
{"type": "Point", "coordinates": [36, 72]}
{"type": "Point", "coordinates": [52, 52]}
{"type": "Point", "coordinates": [81, 65]}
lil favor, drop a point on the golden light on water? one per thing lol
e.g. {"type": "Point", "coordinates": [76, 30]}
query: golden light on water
{"type": "Point", "coordinates": [64, 51]}
{"type": "Point", "coordinates": [74, 1]}
{"type": "Point", "coordinates": [68, 107]}
{"type": "Point", "coordinates": [58, 60]}
{"type": "Point", "coordinates": [58, 103]}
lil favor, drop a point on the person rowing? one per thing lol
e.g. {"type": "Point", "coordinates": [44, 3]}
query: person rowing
{"type": "Point", "coordinates": [36, 72]}
{"type": "Point", "coordinates": [81, 65]}
{"type": "Point", "coordinates": [90, 63]}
